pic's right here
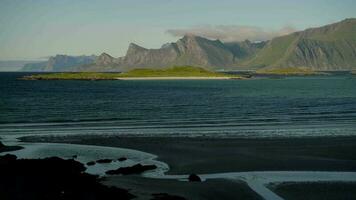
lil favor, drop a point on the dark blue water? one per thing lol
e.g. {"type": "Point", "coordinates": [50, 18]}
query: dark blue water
{"type": "Point", "coordinates": [294, 106]}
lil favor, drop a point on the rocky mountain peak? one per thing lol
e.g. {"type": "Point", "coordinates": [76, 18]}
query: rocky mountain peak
{"type": "Point", "coordinates": [134, 49]}
{"type": "Point", "coordinates": [105, 55]}
{"type": "Point", "coordinates": [104, 59]}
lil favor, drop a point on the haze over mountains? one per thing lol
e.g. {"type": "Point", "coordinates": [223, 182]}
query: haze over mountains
{"type": "Point", "coordinates": [331, 47]}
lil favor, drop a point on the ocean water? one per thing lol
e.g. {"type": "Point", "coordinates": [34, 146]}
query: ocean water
{"type": "Point", "coordinates": [263, 107]}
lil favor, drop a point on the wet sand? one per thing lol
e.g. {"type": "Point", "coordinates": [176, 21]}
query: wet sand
{"type": "Point", "coordinates": [216, 189]}
{"type": "Point", "coordinates": [317, 190]}
{"type": "Point", "coordinates": [213, 155]}
{"type": "Point", "coordinates": [217, 155]}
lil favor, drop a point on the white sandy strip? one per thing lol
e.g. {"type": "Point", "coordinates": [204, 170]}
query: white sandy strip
{"type": "Point", "coordinates": [174, 78]}
{"type": "Point", "coordinates": [256, 180]}
{"type": "Point", "coordinates": [86, 153]}
{"type": "Point", "coordinates": [259, 179]}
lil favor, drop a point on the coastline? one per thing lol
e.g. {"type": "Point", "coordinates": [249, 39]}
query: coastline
{"type": "Point", "coordinates": [176, 78]}
{"type": "Point", "coordinates": [217, 155]}
{"type": "Point", "coordinates": [229, 167]}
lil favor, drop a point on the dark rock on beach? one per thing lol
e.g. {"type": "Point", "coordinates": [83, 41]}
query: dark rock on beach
{"type": "Point", "coordinates": [91, 163]}
{"type": "Point", "coordinates": [51, 178]}
{"type": "Point", "coordinates": [194, 178]}
{"type": "Point", "coordinates": [122, 159]}
{"type": "Point", "coordinates": [164, 196]}
{"type": "Point", "coordinates": [136, 169]}
{"type": "Point", "coordinates": [7, 158]}
{"type": "Point", "coordinates": [104, 161]}
{"type": "Point", "coordinates": [4, 148]}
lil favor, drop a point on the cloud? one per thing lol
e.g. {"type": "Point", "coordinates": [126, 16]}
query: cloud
{"type": "Point", "coordinates": [230, 33]}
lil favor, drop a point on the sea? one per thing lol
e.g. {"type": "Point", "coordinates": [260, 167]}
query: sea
{"type": "Point", "coordinates": [272, 107]}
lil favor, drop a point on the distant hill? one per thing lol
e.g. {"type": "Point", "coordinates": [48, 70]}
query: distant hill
{"type": "Point", "coordinates": [60, 63]}
{"type": "Point", "coordinates": [331, 47]}
{"type": "Point", "coordinates": [13, 65]}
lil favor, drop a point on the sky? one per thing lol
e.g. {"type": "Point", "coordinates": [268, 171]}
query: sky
{"type": "Point", "coordinates": [36, 29]}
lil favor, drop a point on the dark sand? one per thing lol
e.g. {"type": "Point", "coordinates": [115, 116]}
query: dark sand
{"type": "Point", "coordinates": [212, 155]}
{"type": "Point", "coordinates": [4, 148]}
{"type": "Point", "coordinates": [217, 189]}
{"type": "Point", "coordinates": [318, 190]}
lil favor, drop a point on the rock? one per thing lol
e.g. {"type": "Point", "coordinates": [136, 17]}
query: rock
{"type": "Point", "coordinates": [7, 158]}
{"type": "Point", "coordinates": [52, 178]}
{"type": "Point", "coordinates": [194, 178]}
{"type": "Point", "coordinates": [104, 161]}
{"type": "Point", "coordinates": [104, 59]}
{"type": "Point", "coordinates": [4, 148]}
{"type": "Point", "coordinates": [122, 159]}
{"type": "Point", "coordinates": [91, 163]}
{"type": "Point", "coordinates": [74, 156]}
{"type": "Point", "coordinates": [165, 196]}
{"type": "Point", "coordinates": [136, 169]}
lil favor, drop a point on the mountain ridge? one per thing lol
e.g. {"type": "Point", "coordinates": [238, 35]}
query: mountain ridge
{"type": "Point", "coordinates": [60, 63]}
{"type": "Point", "coordinates": [330, 47]}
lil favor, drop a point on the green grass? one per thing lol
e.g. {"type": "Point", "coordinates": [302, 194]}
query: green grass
{"type": "Point", "coordinates": [73, 76]}
{"type": "Point", "coordinates": [288, 71]}
{"type": "Point", "coordinates": [184, 71]}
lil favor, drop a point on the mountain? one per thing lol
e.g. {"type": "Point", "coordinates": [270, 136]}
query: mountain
{"type": "Point", "coordinates": [189, 50]}
{"type": "Point", "coordinates": [244, 50]}
{"type": "Point", "coordinates": [13, 65]}
{"type": "Point", "coordinates": [331, 47]}
{"type": "Point", "coordinates": [60, 63]}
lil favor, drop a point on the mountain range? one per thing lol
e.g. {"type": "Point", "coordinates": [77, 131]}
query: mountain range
{"type": "Point", "coordinates": [60, 63]}
{"type": "Point", "coordinates": [331, 47]}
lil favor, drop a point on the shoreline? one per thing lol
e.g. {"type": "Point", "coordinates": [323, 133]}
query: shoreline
{"type": "Point", "coordinates": [177, 78]}
{"type": "Point", "coordinates": [217, 155]}
{"type": "Point", "coordinates": [251, 182]}
{"type": "Point", "coordinates": [29, 78]}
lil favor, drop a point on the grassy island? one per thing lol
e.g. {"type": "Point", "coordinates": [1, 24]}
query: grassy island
{"type": "Point", "coordinates": [289, 71]}
{"type": "Point", "coordinates": [185, 72]}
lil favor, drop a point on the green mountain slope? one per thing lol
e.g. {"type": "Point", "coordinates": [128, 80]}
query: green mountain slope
{"type": "Point", "coordinates": [332, 47]}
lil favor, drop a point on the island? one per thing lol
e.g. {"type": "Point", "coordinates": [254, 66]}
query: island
{"type": "Point", "coordinates": [171, 73]}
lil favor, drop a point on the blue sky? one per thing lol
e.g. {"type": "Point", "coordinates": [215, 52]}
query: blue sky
{"type": "Point", "coordinates": [33, 29]}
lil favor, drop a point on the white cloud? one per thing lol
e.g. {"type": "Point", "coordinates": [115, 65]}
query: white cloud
{"type": "Point", "coordinates": [230, 33]}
